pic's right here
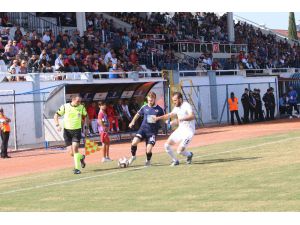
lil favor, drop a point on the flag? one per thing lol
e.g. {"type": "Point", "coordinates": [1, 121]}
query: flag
{"type": "Point", "coordinates": [91, 147]}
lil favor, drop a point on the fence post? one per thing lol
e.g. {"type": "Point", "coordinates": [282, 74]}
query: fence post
{"type": "Point", "coordinates": [277, 96]}
{"type": "Point", "coordinates": [15, 121]}
{"type": "Point", "coordinates": [226, 103]}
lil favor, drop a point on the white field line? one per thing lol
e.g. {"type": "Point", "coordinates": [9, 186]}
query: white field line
{"type": "Point", "coordinates": [136, 168]}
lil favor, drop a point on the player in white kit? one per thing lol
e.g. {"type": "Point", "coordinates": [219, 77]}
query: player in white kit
{"type": "Point", "coordinates": [185, 131]}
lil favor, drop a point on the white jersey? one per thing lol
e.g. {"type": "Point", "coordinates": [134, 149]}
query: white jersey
{"type": "Point", "coordinates": [181, 112]}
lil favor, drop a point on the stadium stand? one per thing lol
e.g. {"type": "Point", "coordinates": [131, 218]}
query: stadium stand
{"type": "Point", "coordinates": [147, 45]}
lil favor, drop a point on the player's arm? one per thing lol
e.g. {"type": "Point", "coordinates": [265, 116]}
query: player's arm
{"type": "Point", "coordinates": [165, 116]}
{"type": "Point", "coordinates": [84, 119]}
{"type": "Point", "coordinates": [58, 114]}
{"type": "Point", "coordinates": [135, 118]}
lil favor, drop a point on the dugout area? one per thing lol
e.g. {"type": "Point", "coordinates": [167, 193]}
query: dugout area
{"type": "Point", "coordinates": [109, 92]}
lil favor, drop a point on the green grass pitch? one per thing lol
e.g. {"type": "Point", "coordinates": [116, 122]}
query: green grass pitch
{"type": "Point", "coordinates": [258, 174]}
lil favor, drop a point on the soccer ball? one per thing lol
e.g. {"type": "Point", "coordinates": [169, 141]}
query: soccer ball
{"type": "Point", "coordinates": [123, 162]}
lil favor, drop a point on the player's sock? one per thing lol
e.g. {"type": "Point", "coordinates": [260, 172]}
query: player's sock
{"type": "Point", "coordinates": [149, 155]}
{"type": "Point", "coordinates": [186, 153]}
{"type": "Point", "coordinates": [170, 152]}
{"type": "Point", "coordinates": [77, 157]}
{"type": "Point", "coordinates": [133, 150]}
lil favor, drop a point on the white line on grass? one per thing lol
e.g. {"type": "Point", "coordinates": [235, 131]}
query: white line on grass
{"type": "Point", "coordinates": [136, 168]}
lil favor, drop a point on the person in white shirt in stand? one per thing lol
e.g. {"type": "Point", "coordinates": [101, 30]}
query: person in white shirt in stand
{"type": "Point", "coordinates": [46, 37]}
{"type": "Point", "coordinates": [185, 131]}
{"type": "Point", "coordinates": [59, 64]}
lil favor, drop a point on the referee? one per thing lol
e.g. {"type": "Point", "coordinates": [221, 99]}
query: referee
{"type": "Point", "coordinates": [73, 114]}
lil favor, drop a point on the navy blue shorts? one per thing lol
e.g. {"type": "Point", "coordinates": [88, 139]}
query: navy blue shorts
{"type": "Point", "coordinates": [148, 136]}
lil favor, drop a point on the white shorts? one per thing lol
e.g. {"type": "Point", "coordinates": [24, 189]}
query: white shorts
{"type": "Point", "coordinates": [182, 136]}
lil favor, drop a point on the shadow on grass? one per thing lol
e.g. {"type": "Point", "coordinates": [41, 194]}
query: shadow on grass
{"type": "Point", "coordinates": [224, 160]}
{"type": "Point", "coordinates": [202, 162]}
{"type": "Point", "coordinates": [211, 132]}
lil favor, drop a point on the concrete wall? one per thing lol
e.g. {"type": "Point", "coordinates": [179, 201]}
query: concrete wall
{"type": "Point", "coordinates": [29, 116]}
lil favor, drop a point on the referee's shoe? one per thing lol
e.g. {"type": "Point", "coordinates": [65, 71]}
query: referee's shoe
{"type": "Point", "coordinates": [82, 161]}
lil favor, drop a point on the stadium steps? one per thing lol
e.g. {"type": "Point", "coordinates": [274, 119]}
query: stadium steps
{"type": "Point", "coordinates": [31, 22]}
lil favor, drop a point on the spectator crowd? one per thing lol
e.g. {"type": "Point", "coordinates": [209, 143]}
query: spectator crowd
{"type": "Point", "coordinates": [104, 48]}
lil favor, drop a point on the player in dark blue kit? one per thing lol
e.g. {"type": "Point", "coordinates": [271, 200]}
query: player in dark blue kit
{"type": "Point", "coordinates": [148, 129]}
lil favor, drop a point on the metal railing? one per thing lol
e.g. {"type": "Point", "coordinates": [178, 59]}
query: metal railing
{"type": "Point", "coordinates": [194, 47]}
{"type": "Point", "coordinates": [32, 22]}
{"type": "Point", "coordinates": [135, 75]}
{"type": "Point", "coordinates": [88, 76]}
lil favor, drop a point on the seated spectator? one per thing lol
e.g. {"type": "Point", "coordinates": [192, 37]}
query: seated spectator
{"type": "Point", "coordinates": [46, 37]}
{"type": "Point", "coordinates": [95, 66]}
{"type": "Point", "coordinates": [70, 64]}
{"type": "Point", "coordinates": [15, 66]}
{"type": "Point", "coordinates": [113, 69]}
{"type": "Point", "coordinates": [18, 34]}
{"type": "Point", "coordinates": [113, 120]}
{"type": "Point", "coordinates": [23, 67]}
{"type": "Point", "coordinates": [216, 65]}
{"type": "Point", "coordinates": [42, 63]}
{"type": "Point", "coordinates": [283, 104]}
{"type": "Point", "coordinates": [9, 52]}
{"type": "Point", "coordinates": [59, 64]}
{"type": "Point", "coordinates": [1, 46]}
{"type": "Point", "coordinates": [32, 65]}
{"type": "Point", "coordinates": [52, 56]}
{"type": "Point", "coordinates": [102, 66]}
{"type": "Point", "coordinates": [91, 110]}
{"type": "Point", "coordinates": [108, 56]}
{"type": "Point", "coordinates": [84, 67]}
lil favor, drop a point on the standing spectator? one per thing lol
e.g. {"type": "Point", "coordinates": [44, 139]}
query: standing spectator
{"type": "Point", "coordinates": [103, 126]}
{"type": "Point", "coordinates": [252, 102]}
{"type": "Point", "coordinates": [4, 131]}
{"type": "Point", "coordinates": [233, 108]}
{"type": "Point", "coordinates": [133, 109]}
{"type": "Point", "coordinates": [272, 104]}
{"type": "Point", "coordinates": [120, 115]}
{"type": "Point", "coordinates": [259, 116]}
{"type": "Point", "coordinates": [126, 114]}
{"type": "Point", "coordinates": [246, 105]}
{"type": "Point", "coordinates": [292, 101]}
{"type": "Point", "coordinates": [267, 100]}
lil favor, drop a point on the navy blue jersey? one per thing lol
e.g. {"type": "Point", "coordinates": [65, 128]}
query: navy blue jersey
{"type": "Point", "coordinates": [148, 124]}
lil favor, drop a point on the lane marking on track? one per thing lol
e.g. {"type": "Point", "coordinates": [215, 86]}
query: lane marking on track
{"type": "Point", "coordinates": [137, 168]}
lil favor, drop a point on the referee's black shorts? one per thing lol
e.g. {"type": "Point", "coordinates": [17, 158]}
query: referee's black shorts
{"type": "Point", "coordinates": [72, 136]}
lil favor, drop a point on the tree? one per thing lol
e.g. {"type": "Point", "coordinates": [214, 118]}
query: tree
{"type": "Point", "coordinates": [292, 27]}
